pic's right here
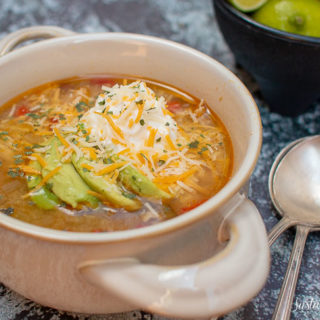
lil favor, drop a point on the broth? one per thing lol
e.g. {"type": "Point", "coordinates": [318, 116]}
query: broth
{"type": "Point", "coordinates": [99, 154]}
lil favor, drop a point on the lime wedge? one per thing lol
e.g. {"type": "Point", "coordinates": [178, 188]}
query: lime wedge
{"type": "Point", "coordinates": [247, 5]}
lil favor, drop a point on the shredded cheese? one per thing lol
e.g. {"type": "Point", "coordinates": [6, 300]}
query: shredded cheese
{"type": "Point", "coordinates": [111, 168]}
{"type": "Point", "coordinates": [60, 137]}
{"type": "Point", "coordinates": [40, 159]}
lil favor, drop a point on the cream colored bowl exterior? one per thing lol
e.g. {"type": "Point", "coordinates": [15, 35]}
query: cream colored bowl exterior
{"type": "Point", "coordinates": [105, 273]}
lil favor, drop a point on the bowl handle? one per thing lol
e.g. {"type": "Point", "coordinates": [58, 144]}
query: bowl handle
{"type": "Point", "coordinates": [9, 42]}
{"type": "Point", "coordinates": [209, 288]}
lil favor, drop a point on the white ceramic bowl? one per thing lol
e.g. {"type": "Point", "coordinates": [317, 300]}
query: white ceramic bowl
{"type": "Point", "coordinates": [183, 267]}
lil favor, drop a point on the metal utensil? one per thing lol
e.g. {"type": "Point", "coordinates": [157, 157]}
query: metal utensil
{"type": "Point", "coordinates": [294, 186]}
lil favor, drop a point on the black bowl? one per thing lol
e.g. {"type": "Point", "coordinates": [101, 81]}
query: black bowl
{"type": "Point", "coordinates": [285, 65]}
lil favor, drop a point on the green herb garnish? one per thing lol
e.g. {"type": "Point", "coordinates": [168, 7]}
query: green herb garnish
{"type": "Point", "coordinates": [107, 160]}
{"type": "Point", "coordinates": [202, 150]}
{"type": "Point", "coordinates": [18, 161]}
{"type": "Point", "coordinates": [33, 115]}
{"type": "Point", "coordinates": [80, 106]}
{"type": "Point", "coordinates": [193, 144]}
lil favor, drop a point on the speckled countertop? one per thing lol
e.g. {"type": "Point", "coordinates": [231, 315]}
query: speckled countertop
{"type": "Point", "coordinates": [191, 22]}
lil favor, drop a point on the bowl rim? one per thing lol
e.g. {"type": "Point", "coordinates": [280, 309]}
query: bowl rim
{"type": "Point", "coordinates": [272, 32]}
{"type": "Point", "coordinates": [177, 223]}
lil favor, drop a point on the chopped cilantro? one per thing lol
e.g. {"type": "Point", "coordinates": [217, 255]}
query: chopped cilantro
{"type": "Point", "coordinates": [161, 162]}
{"type": "Point", "coordinates": [84, 131]}
{"type": "Point", "coordinates": [158, 140]}
{"type": "Point", "coordinates": [102, 102]}
{"type": "Point", "coordinates": [107, 160]}
{"type": "Point", "coordinates": [109, 112]}
{"type": "Point", "coordinates": [139, 102]}
{"type": "Point", "coordinates": [134, 178]}
{"type": "Point", "coordinates": [87, 138]}
{"type": "Point", "coordinates": [17, 156]}
{"type": "Point", "coordinates": [85, 170]}
{"type": "Point", "coordinates": [2, 133]}
{"type": "Point", "coordinates": [28, 153]}
{"type": "Point", "coordinates": [33, 115]}
{"type": "Point", "coordinates": [201, 135]}
{"type": "Point", "coordinates": [0, 163]}
{"type": "Point", "coordinates": [81, 126]}
{"type": "Point", "coordinates": [80, 116]}
{"type": "Point", "coordinates": [179, 144]}
{"type": "Point", "coordinates": [61, 116]}
{"type": "Point", "coordinates": [142, 122]}
{"type": "Point", "coordinates": [167, 124]}
{"type": "Point", "coordinates": [203, 149]}
{"type": "Point", "coordinates": [18, 161]}
{"type": "Point", "coordinates": [193, 144]}
{"type": "Point", "coordinates": [15, 172]}
{"type": "Point", "coordinates": [80, 106]}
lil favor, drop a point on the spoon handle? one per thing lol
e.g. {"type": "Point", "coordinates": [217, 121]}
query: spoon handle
{"type": "Point", "coordinates": [283, 307]}
{"type": "Point", "coordinates": [281, 226]}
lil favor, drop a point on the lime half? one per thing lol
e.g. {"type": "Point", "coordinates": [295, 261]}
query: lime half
{"type": "Point", "coordinates": [295, 16]}
{"type": "Point", "coordinates": [247, 5]}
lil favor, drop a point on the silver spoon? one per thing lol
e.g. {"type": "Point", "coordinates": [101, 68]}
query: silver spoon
{"type": "Point", "coordinates": [294, 186]}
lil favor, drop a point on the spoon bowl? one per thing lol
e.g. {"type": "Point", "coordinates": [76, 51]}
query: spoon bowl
{"type": "Point", "coordinates": [294, 186]}
{"type": "Point", "coordinates": [294, 182]}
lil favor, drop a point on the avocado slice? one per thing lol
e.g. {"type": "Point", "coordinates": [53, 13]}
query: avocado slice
{"type": "Point", "coordinates": [66, 183]}
{"type": "Point", "coordinates": [134, 180]}
{"type": "Point", "coordinates": [43, 198]}
{"type": "Point", "coordinates": [112, 192]}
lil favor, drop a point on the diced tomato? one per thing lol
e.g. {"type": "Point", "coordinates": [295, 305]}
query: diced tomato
{"type": "Point", "coordinates": [21, 110]}
{"type": "Point", "coordinates": [54, 120]}
{"type": "Point", "coordinates": [186, 209]}
{"type": "Point", "coordinates": [103, 81]}
{"type": "Point", "coordinates": [174, 106]}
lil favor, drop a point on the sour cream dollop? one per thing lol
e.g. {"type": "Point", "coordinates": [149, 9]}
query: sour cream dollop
{"type": "Point", "coordinates": [131, 116]}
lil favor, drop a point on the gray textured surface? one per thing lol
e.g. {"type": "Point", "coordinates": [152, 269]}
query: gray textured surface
{"type": "Point", "coordinates": [191, 22]}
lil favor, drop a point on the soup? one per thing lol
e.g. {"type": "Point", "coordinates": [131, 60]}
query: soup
{"type": "Point", "coordinates": [99, 154]}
